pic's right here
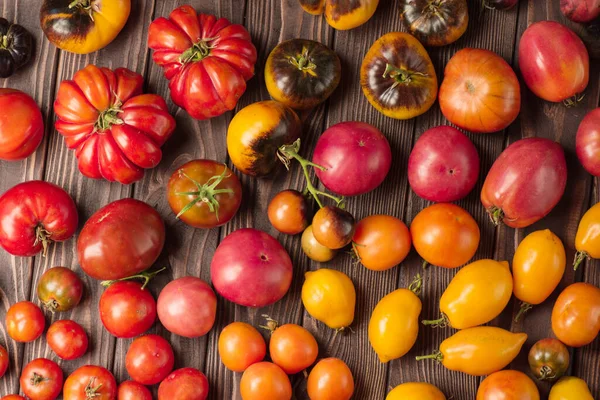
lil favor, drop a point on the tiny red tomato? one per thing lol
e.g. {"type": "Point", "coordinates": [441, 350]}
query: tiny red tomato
{"type": "Point", "coordinates": [67, 339]}
{"type": "Point", "coordinates": [4, 361]}
{"type": "Point", "coordinates": [149, 359]}
{"type": "Point", "coordinates": [293, 348]}
{"type": "Point", "coordinates": [25, 321]}
{"type": "Point", "coordinates": [131, 390]}
{"type": "Point", "coordinates": [288, 212]}
{"type": "Point", "coordinates": [90, 382]}
{"type": "Point", "coordinates": [184, 384]}
{"type": "Point", "coordinates": [59, 289]}
{"type": "Point", "coordinates": [41, 379]}
{"type": "Point", "coordinates": [240, 346]}
{"type": "Point", "coordinates": [126, 309]}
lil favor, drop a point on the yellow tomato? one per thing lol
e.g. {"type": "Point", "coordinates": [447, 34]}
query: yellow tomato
{"type": "Point", "coordinates": [348, 14]}
{"type": "Point", "coordinates": [587, 240]}
{"type": "Point", "coordinates": [479, 351]}
{"type": "Point", "coordinates": [570, 388]}
{"type": "Point", "coordinates": [476, 295]}
{"type": "Point", "coordinates": [415, 391]}
{"type": "Point", "coordinates": [394, 324]}
{"type": "Point", "coordinates": [329, 297]}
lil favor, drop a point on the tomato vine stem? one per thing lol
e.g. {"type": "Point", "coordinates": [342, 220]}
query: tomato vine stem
{"type": "Point", "coordinates": [90, 391]}
{"type": "Point", "coordinates": [303, 62]}
{"type": "Point", "coordinates": [525, 307]}
{"type": "Point", "coordinates": [400, 75]}
{"type": "Point", "coordinates": [42, 236]}
{"type": "Point", "coordinates": [206, 193]}
{"type": "Point", "coordinates": [437, 356]}
{"type": "Point", "coordinates": [579, 257]}
{"type": "Point", "coordinates": [441, 322]}
{"type": "Point", "coordinates": [145, 275]}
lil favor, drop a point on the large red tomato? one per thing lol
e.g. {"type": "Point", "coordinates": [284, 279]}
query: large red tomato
{"type": "Point", "coordinates": [41, 379]}
{"type": "Point", "coordinates": [115, 130]}
{"type": "Point", "coordinates": [90, 382]}
{"type": "Point", "coordinates": [120, 240]}
{"type": "Point", "coordinates": [149, 359]}
{"type": "Point", "coordinates": [207, 60]}
{"type": "Point", "coordinates": [184, 384]}
{"type": "Point", "coordinates": [127, 309]}
{"type": "Point", "coordinates": [33, 214]}
{"type": "Point", "coordinates": [21, 125]}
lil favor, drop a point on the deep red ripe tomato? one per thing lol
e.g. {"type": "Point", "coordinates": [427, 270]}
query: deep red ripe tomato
{"type": "Point", "coordinates": [288, 212]}
{"type": "Point", "coordinates": [240, 346]}
{"type": "Point", "coordinates": [115, 130]}
{"type": "Point", "coordinates": [206, 60]}
{"type": "Point", "coordinates": [90, 382]}
{"type": "Point", "coordinates": [184, 384]}
{"type": "Point", "coordinates": [22, 125]}
{"type": "Point", "coordinates": [4, 361]}
{"type": "Point", "coordinates": [149, 359]}
{"type": "Point", "coordinates": [293, 348]}
{"type": "Point", "coordinates": [25, 321]}
{"type": "Point", "coordinates": [131, 390]}
{"type": "Point", "coordinates": [204, 193]}
{"type": "Point", "coordinates": [126, 309]}
{"type": "Point", "coordinates": [265, 380]}
{"type": "Point", "coordinates": [67, 339]}
{"type": "Point", "coordinates": [33, 214]}
{"type": "Point", "coordinates": [120, 240]}
{"type": "Point", "coordinates": [41, 379]}
{"type": "Point", "coordinates": [59, 289]}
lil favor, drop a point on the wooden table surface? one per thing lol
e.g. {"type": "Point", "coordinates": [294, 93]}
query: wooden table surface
{"type": "Point", "coordinates": [188, 251]}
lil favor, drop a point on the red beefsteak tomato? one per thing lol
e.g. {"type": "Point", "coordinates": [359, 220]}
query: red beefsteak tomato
{"type": "Point", "coordinates": [206, 60]}
{"type": "Point", "coordinates": [21, 125]}
{"type": "Point", "coordinates": [115, 130]}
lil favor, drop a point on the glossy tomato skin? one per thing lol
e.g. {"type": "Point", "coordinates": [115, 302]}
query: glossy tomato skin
{"type": "Point", "coordinates": [435, 23]}
{"type": "Point", "coordinates": [509, 384]}
{"type": "Point", "coordinates": [587, 239]}
{"type": "Point", "coordinates": [329, 296]}
{"type": "Point", "coordinates": [13, 397]}
{"type": "Point", "coordinates": [19, 48]}
{"type": "Point", "coordinates": [554, 61]}
{"type": "Point", "coordinates": [256, 133]}
{"type": "Point", "coordinates": [288, 212]}
{"type": "Point", "coordinates": [121, 239]}
{"type": "Point", "coordinates": [512, 187]}
{"type": "Point", "coordinates": [333, 227]}
{"type": "Point", "coordinates": [184, 384]}
{"type": "Point", "coordinates": [580, 10]}
{"type": "Point", "coordinates": [500, 4]}
{"type": "Point", "coordinates": [313, 7]}
{"type": "Point", "coordinates": [199, 176]}
{"type": "Point", "coordinates": [587, 142]}
{"type": "Point", "coordinates": [265, 380]}
{"type": "Point", "coordinates": [397, 76]}
{"type": "Point", "coordinates": [96, 380]}
{"type": "Point", "coordinates": [381, 242]}
{"type": "Point", "coordinates": [293, 348]}
{"type": "Point", "coordinates": [415, 391]}
{"type": "Point", "coordinates": [548, 359]}
{"type": "Point", "coordinates": [356, 155]}
{"type": "Point", "coordinates": [570, 387]}
{"type": "Point", "coordinates": [443, 165]}
{"type": "Point", "coordinates": [4, 361]}
{"type": "Point", "coordinates": [349, 14]}
{"type": "Point", "coordinates": [79, 29]}
{"type": "Point", "coordinates": [127, 309]}
{"type": "Point", "coordinates": [576, 314]}
{"type": "Point", "coordinates": [25, 322]}
{"type": "Point", "coordinates": [131, 390]}
{"type": "Point", "coordinates": [302, 73]}
{"type": "Point", "coordinates": [41, 379]}
{"type": "Point", "coordinates": [315, 250]}
{"type": "Point", "coordinates": [187, 307]}
{"type": "Point", "coordinates": [445, 235]}
{"type": "Point", "coordinates": [59, 289]}
{"type": "Point", "coordinates": [115, 130]}
{"type": "Point", "coordinates": [206, 60]}
{"type": "Point", "coordinates": [480, 91]}
{"type": "Point", "coordinates": [67, 339]}
{"type": "Point", "coordinates": [240, 346]}
{"type": "Point", "coordinates": [330, 379]}
{"type": "Point", "coordinates": [22, 127]}
{"type": "Point", "coordinates": [149, 359]}
{"type": "Point", "coordinates": [251, 268]}
{"type": "Point", "coordinates": [34, 213]}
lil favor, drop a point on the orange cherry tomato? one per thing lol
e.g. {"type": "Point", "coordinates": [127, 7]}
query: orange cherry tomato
{"type": "Point", "coordinates": [333, 227]}
{"type": "Point", "coordinates": [293, 348]}
{"type": "Point", "coordinates": [315, 250]}
{"type": "Point", "coordinates": [381, 242]}
{"type": "Point", "coordinates": [508, 385]}
{"type": "Point", "coordinates": [576, 314]}
{"type": "Point", "coordinates": [240, 346]}
{"type": "Point", "coordinates": [25, 322]}
{"type": "Point", "coordinates": [265, 380]}
{"type": "Point", "coordinates": [445, 235]}
{"type": "Point", "coordinates": [288, 212]}
{"type": "Point", "coordinates": [330, 379]}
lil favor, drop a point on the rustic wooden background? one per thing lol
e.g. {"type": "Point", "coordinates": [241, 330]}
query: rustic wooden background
{"type": "Point", "coordinates": [188, 251]}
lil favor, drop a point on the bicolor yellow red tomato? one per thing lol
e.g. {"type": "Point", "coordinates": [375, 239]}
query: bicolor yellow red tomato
{"type": "Point", "coordinates": [329, 296]}
{"type": "Point", "coordinates": [415, 391]}
{"type": "Point", "coordinates": [570, 388]}
{"type": "Point", "coordinates": [508, 385]}
{"type": "Point", "coordinates": [587, 240]}
{"type": "Point", "coordinates": [342, 14]}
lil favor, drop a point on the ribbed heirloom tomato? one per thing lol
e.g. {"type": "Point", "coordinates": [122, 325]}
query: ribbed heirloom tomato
{"type": "Point", "coordinates": [115, 130]}
{"type": "Point", "coordinates": [435, 23]}
{"type": "Point", "coordinates": [206, 60]}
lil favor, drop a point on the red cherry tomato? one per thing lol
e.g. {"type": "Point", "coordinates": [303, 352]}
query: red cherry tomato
{"type": "Point", "coordinates": [126, 309]}
{"type": "Point", "coordinates": [67, 339]}
{"type": "Point", "coordinates": [90, 382]}
{"type": "Point", "coordinates": [4, 361]}
{"type": "Point", "coordinates": [131, 390]}
{"type": "Point", "coordinates": [59, 289]}
{"type": "Point", "coordinates": [293, 348]}
{"type": "Point", "coordinates": [34, 214]}
{"type": "Point", "coordinates": [41, 379]}
{"type": "Point", "coordinates": [149, 359]}
{"type": "Point", "coordinates": [22, 125]}
{"type": "Point", "coordinates": [25, 321]}
{"type": "Point", "coordinates": [240, 346]}
{"type": "Point", "coordinates": [184, 384]}
{"type": "Point", "coordinates": [265, 380]}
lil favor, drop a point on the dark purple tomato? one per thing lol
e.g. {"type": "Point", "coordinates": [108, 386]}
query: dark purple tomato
{"type": "Point", "coordinates": [549, 359]}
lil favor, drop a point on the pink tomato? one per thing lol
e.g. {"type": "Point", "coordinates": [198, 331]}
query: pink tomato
{"type": "Point", "coordinates": [587, 142]}
{"type": "Point", "coordinates": [580, 10]}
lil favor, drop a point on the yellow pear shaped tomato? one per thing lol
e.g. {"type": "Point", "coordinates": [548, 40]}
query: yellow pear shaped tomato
{"type": "Point", "coordinates": [587, 240]}
{"type": "Point", "coordinates": [329, 296]}
{"type": "Point", "coordinates": [479, 351]}
{"type": "Point", "coordinates": [538, 267]}
{"type": "Point", "coordinates": [394, 324]}
{"type": "Point", "coordinates": [570, 388]}
{"type": "Point", "coordinates": [415, 391]}
{"type": "Point", "coordinates": [476, 295]}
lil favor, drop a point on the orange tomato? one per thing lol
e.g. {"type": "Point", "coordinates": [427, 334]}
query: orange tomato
{"type": "Point", "coordinates": [587, 240]}
{"type": "Point", "coordinates": [576, 314]}
{"type": "Point", "coordinates": [381, 242]}
{"type": "Point", "coordinates": [508, 385]}
{"type": "Point", "coordinates": [293, 348]}
{"type": "Point", "coordinates": [240, 346]}
{"type": "Point", "coordinates": [315, 250]}
{"type": "Point", "coordinates": [445, 235]}
{"type": "Point", "coordinates": [330, 379]}
{"type": "Point", "coordinates": [265, 380]}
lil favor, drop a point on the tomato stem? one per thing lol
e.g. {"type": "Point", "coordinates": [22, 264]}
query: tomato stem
{"type": "Point", "coordinates": [547, 374]}
{"type": "Point", "coordinates": [90, 391]}
{"type": "Point", "coordinates": [271, 325]}
{"type": "Point", "coordinates": [496, 214]}
{"type": "Point", "coordinates": [146, 276]}
{"type": "Point", "coordinates": [51, 305]}
{"type": "Point", "coordinates": [206, 193]}
{"type": "Point", "coordinates": [416, 285]}
{"type": "Point", "coordinates": [525, 307]}
{"type": "Point", "coordinates": [42, 236]}
{"type": "Point", "coordinates": [437, 323]}
{"type": "Point", "coordinates": [400, 75]}
{"type": "Point", "coordinates": [36, 379]}
{"type": "Point", "coordinates": [437, 356]}
{"type": "Point", "coordinates": [574, 100]}
{"type": "Point", "coordinates": [85, 5]}
{"type": "Point", "coordinates": [4, 44]}
{"type": "Point", "coordinates": [198, 51]}
{"type": "Point", "coordinates": [579, 257]}
{"type": "Point", "coordinates": [303, 62]}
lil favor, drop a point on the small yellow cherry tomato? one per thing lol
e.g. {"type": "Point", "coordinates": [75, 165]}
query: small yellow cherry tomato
{"type": "Point", "coordinates": [329, 296]}
{"type": "Point", "coordinates": [570, 388]}
{"type": "Point", "coordinates": [415, 391]}
{"type": "Point", "coordinates": [394, 324]}
{"type": "Point", "coordinates": [479, 351]}
{"type": "Point", "coordinates": [476, 295]}
{"type": "Point", "coordinates": [587, 240]}
{"type": "Point", "coordinates": [348, 14]}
